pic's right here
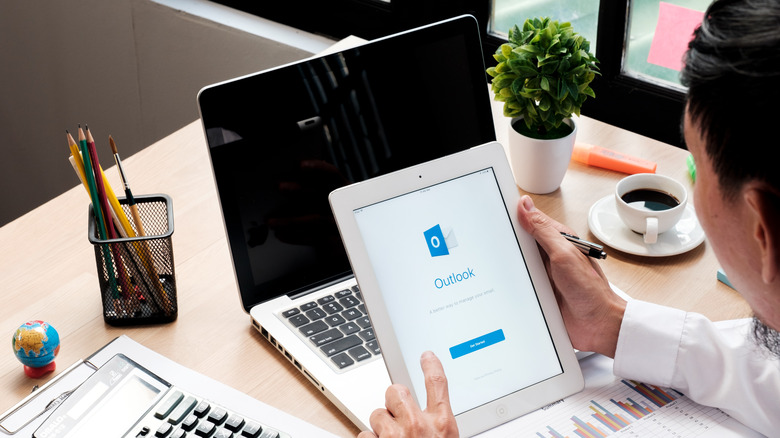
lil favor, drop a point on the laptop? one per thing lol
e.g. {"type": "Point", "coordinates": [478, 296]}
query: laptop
{"type": "Point", "coordinates": [282, 139]}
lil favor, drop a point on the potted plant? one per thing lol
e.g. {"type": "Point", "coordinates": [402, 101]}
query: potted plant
{"type": "Point", "coordinates": [543, 76]}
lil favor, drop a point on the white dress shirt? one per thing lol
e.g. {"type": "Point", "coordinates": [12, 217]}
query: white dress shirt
{"type": "Point", "coordinates": [714, 364]}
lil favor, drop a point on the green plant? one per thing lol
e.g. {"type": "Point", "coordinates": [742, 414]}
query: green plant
{"type": "Point", "coordinates": [543, 75]}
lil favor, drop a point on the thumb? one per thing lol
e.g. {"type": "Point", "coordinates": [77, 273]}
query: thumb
{"type": "Point", "coordinates": [541, 227]}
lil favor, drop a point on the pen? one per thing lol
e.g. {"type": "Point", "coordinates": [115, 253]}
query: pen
{"type": "Point", "coordinates": [590, 249]}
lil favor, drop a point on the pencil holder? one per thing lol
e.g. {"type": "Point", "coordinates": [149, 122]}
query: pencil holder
{"type": "Point", "coordinates": [136, 274]}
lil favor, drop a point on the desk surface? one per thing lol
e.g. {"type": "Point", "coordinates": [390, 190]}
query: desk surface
{"type": "Point", "coordinates": [48, 272]}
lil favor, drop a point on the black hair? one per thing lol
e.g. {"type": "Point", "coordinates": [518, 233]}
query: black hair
{"type": "Point", "coordinates": [732, 71]}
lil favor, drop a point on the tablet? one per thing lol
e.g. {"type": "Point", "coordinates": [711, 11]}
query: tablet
{"type": "Point", "coordinates": [443, 265]}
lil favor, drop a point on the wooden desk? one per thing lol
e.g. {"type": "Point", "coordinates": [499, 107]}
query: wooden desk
{"type": "Point", "coordinates": [48, 272]}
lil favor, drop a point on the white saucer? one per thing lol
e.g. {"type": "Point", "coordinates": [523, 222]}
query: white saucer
{"type": "Point", "coordinates": [605, 224]}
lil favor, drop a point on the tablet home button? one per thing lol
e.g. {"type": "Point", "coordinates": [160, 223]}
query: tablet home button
{"type": "Point", "coordinates": [501, 410]}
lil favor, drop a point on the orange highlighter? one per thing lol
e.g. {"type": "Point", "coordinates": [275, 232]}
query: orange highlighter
{"type": "Point", "coordinates": [598, 156]}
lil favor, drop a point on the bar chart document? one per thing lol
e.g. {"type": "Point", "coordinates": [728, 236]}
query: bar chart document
{"type": "Point", "coordinates": [613, 407]}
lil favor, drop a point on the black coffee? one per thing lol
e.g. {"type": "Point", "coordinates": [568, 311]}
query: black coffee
{"type": "Point", "coordinates": [650, 199]}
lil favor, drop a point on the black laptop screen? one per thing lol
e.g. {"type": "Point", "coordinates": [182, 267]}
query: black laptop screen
{"type": "Point", "coordinates": [281, 140]}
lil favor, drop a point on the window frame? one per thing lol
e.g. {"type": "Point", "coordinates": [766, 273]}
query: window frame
{"type": "Point", "coordinates": [640, 106]}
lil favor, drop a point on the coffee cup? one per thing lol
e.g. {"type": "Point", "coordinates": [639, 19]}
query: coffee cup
{"type": "Point", "coordinates": [650, 204]}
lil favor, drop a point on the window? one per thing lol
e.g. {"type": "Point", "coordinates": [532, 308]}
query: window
{"type": "Point", "coordinates": [637, 89]}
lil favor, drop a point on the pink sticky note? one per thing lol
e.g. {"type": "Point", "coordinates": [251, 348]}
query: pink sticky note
{"type": "Point", "coordinates": [673, 32]}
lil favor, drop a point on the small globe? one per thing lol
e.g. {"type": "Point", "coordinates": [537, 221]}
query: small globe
{"type": "Point", "coordinates": [36, 343]}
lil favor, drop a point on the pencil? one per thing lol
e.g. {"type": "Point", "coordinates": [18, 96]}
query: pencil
{"type": "Point", "coordinates": [90, 177]}
{"type": "Point", "coordinates": [125, 283]}
{"type": "Point", "coordinates": [117, 214]}
{"type": "Point", "coordinates": [146, 255]}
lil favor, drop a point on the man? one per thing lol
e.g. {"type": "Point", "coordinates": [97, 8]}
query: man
{"type": "Point", "coordinates": [732, 72]}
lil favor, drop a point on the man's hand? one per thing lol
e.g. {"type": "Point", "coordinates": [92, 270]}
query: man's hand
{"type": "Point", "coordinates": [591, 311]}
{"type": "Point", "coordinates": [403, 418]}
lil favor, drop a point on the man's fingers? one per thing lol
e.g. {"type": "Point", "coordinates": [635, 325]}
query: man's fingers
{"type": "Point", "coordinates": [545, 230]}
{"type": "Point", "coordinates": [400, 403]}
{"type": "Point", "coordinates": [435, 383]}
{"type": "Point", "coordinates": [380, 420]}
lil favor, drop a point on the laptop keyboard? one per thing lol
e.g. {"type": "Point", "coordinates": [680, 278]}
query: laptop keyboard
{"type": "Point", "coordinates": [182, 415]}
{"type": "Point", "coordinates": [337, 326]}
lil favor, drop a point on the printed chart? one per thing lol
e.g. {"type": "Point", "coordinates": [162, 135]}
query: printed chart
{"type": "Point", "coordinates": [610, 406]}
{"type": "Point", "coordinates": [628, 408]}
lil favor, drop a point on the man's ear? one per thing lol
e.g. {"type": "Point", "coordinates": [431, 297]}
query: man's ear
{"type": "Point", "coordinates": [765, 207]}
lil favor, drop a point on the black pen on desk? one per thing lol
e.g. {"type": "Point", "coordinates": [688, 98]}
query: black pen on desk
{"type": "Point", "coordinates": [590, 249]}
{"type": "Point", "coordinates": [130, 200]}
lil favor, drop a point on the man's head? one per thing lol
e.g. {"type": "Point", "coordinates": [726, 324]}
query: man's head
{"type": "Point", "coordinates": [732, 69]}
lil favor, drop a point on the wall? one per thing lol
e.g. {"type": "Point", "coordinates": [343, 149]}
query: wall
{"type": "Point", "coordinates": [128, 68]}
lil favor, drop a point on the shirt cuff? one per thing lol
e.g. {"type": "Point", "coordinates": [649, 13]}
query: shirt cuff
{"type": "Point", "coordinates": [648, 343]}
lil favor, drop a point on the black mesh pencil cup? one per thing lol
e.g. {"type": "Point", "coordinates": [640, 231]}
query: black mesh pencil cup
{"type": "Point", "coordinates": [136, 274]}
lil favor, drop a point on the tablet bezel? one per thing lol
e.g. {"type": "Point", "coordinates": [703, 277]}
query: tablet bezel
{"type": "Point", "coordinates": [490, 155]}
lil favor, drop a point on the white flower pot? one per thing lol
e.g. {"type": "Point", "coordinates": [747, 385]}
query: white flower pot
{"type": "Point", "coordinates": [540, 165]}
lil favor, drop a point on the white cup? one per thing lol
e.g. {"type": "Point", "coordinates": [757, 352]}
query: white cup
{"type": "Point", "coordinates": [650, 204]}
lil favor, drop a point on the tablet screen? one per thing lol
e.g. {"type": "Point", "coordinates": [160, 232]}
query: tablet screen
{"type": "Point", "coordinates": [454, 281]}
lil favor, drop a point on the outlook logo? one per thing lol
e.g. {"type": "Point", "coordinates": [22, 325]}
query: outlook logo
{"type": "Point", "coordinates": [440, 241]}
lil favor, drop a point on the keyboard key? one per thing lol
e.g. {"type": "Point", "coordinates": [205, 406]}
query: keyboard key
{"type": "Point", "coordinates": [343, 293]}
{"type": "Point", "coordinates": [313, 328]}
{"type": "Point", "coordinates": [362, 308]}
{"type": "Point", "coordinates": [316, 313]}
{"type": "Point", "coordinates": [351, 314]}
{"type": "Point", "coordinates": [307, 306]}
{"type": "Point", "coordinates": [341, 344]}
{"type": "Point", "coordinates": [363, 322]}
{"type": "Point", "coordinates": [179, 433]}
{"type": "Point", "coordinates": [298, 320]}
{"type": "Point", "coordinates": [349, 328]}
{"type": "Point", "coordinates": [349, 301]}
{"type": "Point", "coordinates": [334, 320]}
{"type": "Point", "coordinates": [291, 312]}
{"type": "Point", "coordinates": [359, 353]}
{"type": "Point", "coordinates": [373, 347]}
{"type": "Point", "coordinates": [367, 334]}
{"type": "Point", "coordinates": [326, 299]}
{"type": "Point", "coordinates": [332, 308]}
{"type": "Point", "coordinates": [323, 338]}
{"type": "Point", "coordinates": [342, 360]}
{"type": "Point", "coordinates": [355, 289]}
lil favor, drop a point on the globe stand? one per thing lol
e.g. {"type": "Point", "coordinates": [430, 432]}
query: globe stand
{"type": "Point", "coordinates": [38, 372]}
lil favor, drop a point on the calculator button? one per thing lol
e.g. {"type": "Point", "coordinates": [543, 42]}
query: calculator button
{"type": "Point", "coordinates": [218, 416]}
{"type": "Point", "coordinates": [234, 423]}
{"type": "Point", "coordinates": [182, 410]}
{"type": "Point", "coordinates": [205, 429]}
{"type": "Point", "coordinates": [163, 430]}
{"type": "Point", "coordinates": [202, 409]}
{"type": "Point", "coordinates": [251, 430]}
{"type": "Point", "coordinates": [167, 406]}
{"type": "Point", "coordinates": [189, 423]}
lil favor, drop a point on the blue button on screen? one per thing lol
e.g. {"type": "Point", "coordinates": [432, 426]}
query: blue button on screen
{"type": "Point", "coordinates": [477, 343]}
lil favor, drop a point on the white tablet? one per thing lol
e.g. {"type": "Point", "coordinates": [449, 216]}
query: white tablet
{"type": "Point", "coordinates": [443, 265]}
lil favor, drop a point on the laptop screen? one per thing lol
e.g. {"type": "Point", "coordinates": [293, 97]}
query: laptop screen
{"type": "Point", "coordinates": [281, 140]}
